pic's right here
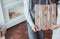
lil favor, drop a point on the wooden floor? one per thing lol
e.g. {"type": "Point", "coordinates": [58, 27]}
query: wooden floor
{"type": "Point", "coordinates": [19, 31]}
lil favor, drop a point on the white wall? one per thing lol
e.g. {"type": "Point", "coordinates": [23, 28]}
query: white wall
{"type": "Point", "coordinates": [11, 22]}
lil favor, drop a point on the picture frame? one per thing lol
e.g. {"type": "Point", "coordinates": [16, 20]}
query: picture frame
{"type": "Point", "coordinates": [14, 8]}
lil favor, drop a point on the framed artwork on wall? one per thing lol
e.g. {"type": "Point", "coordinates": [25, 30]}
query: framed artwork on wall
{"type": "Point", "coordinates": [13, 12]}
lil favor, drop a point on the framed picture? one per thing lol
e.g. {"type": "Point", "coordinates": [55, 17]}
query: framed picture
{"type": "Point", "coordinates": [13, 12]}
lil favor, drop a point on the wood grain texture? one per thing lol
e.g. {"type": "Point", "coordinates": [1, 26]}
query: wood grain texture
{"type": "Point", "coordinates": [45, 15]}
{"type": "Point", "coordinates": [19, 31]}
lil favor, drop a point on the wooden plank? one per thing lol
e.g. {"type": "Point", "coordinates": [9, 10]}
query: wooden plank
{"type": "Point", "coordinates": [53, 14]}
{"type": "Point", "coordinates": [38, 16]}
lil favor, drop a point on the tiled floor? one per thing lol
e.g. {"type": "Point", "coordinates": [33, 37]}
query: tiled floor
{"type": "Point", "coordinates": [19, 31]}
